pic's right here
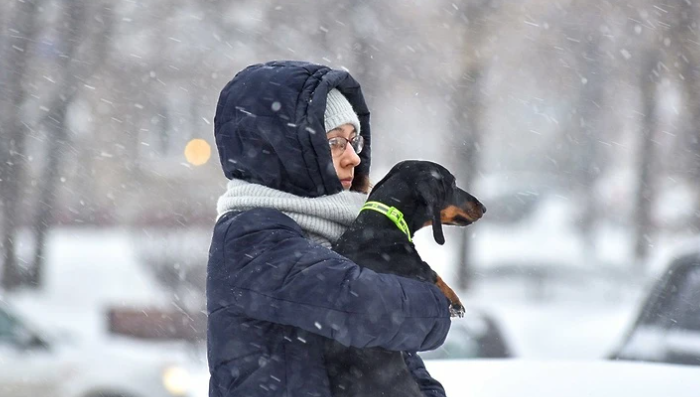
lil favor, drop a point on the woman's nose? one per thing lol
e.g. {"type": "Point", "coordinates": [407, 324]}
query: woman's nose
{"type": "Point", "coordinates": [350, 157]}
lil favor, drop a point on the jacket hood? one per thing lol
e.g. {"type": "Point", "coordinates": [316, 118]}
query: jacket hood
{"type": "Point", "coordinates": [269, 127]}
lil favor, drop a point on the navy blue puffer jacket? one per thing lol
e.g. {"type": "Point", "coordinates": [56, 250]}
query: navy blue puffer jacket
{"type": "Point", "coordinates": [273, 295]}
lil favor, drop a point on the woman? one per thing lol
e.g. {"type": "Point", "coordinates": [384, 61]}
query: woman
{"type": "Point", "coordinates": [299, 173]}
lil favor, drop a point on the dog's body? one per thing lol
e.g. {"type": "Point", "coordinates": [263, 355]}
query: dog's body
{"type": "Point", "coordinates": [426, 194]}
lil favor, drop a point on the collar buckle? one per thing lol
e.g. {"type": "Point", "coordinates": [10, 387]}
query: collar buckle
{"type": "Point", "coordinates": [393, 213]}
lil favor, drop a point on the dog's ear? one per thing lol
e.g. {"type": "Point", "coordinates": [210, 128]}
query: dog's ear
{"type": "Point", "coordinates": [429, 194]}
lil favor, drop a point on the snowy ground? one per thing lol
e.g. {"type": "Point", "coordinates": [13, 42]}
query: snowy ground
{"type": "Point", "coordinates": [584, 319]}
{"type": "Point", "coordinates": [562, 330]}
{"type": "Point", "coordinates": [584, 311]}
{"type": "Point", "coordinates": [89, 270]}
{"type": "Point", "coordinates": [546, 378]}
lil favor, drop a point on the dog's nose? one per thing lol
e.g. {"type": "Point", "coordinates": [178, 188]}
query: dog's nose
{"type": "Point", "coordinates": [483, 208]}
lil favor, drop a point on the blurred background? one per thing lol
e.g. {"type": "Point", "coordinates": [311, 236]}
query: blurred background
{"type": "Point", "coordinates": [574, 122]}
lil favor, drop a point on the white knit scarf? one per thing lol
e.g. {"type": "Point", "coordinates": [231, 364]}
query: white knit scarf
{"type": "Point", "coordinates": [323, 219]}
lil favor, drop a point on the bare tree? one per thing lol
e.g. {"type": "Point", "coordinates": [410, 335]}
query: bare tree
{"type": "Point", "coordinates": [467, 111]}
{"type": "Point", "coordinates": [654, 24]}
{"type": "Point", "coordinates": [587, 43]}
{"type": "Point", "coordinates": [74, 67]}
{"type": "Point", "coordinates": [23, 28]}
{"type": "Point", "coordinates": [686, 36]}
{"type": "Point", "coordinates": [643, 227]}
{"type": "Point", "coordinates": [364, 25]}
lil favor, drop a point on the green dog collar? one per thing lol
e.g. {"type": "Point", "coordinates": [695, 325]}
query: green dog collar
{"type": "Point", "coordinates": [392, 213]}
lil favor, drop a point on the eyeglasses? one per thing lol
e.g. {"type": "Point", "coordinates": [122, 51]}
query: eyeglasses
{"type": "Point", "coordinates": [339, 143]}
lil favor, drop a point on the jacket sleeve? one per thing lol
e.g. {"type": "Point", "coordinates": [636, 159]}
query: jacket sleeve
{"type": "Point", "coordinates": [429, 386]}
{"type": "Point", "coordinates": [268, 271]}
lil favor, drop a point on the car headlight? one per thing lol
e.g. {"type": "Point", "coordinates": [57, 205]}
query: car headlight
{"type": "Point", "coordinates": [176, 380]}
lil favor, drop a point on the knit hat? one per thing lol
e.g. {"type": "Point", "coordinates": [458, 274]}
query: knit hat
{"type": "Point", "coordinates": [339, 112]}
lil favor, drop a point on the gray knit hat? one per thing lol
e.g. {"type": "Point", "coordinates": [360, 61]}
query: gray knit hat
{"type": "Point", "coordinates": [339, 112]}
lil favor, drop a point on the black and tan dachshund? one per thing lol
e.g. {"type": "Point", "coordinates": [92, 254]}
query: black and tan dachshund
{"type": "Point", "coordinates": [421, 193]}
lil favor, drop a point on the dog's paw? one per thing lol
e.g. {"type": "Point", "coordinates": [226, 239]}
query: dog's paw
{"type": "Point", "coordinates": [457, 310]}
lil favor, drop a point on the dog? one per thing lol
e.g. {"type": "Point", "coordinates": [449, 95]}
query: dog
{"type": "Point", "coordinates": [421, 193]}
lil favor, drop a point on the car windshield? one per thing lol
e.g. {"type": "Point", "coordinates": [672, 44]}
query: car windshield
{"type": "Point", "coordinates": [169, 200]}
{"type": "Point", "coordinates": [6, 326]}
{"type": "Point", "coordinates": [689, 301]}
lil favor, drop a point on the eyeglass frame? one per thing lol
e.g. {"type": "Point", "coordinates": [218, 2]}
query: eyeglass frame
{"type": "Point", "coordinates": [357, 138]}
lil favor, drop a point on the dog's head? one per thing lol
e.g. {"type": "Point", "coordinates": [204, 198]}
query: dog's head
{"type": "Point", "coordinates": [434, 191]}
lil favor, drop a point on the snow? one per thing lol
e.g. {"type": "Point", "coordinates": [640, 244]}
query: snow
{"type": "Point", "coordinates": [87, 271]}
{"type": "Point", "coordinates": [555, 296]}
{"type": "Point", "coordinates": [561, 330]}
{"type": "Point", "coordinates": [552, 298]}
{"type": "Point", "coordinates": [90, 269]}
{"type": "Point", "coordinates": [545, 378]}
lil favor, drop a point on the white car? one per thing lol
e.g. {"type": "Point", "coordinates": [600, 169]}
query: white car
{"type": "Point", "coordinates": [667, 328]}
{"type": "Point", "coordinates": [36, 363]}
{"type": "Point", "coordinates": [595, 378]}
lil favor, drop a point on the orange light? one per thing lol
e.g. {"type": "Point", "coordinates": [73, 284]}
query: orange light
{"type": "Point", "coordinates": [197, 152]}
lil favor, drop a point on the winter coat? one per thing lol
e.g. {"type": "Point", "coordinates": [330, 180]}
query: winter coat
{"type": "Point", "coordinates": [272, 294]}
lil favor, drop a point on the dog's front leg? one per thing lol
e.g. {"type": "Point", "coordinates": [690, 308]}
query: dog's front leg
{"type": "Point", "coordinates": [456, 307]}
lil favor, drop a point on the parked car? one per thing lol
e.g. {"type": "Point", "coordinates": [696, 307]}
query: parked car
{"type": "Point", "coordinates": [35, 362]}
{"type": "Point", "coordinates": [667, 328]}
{"type": "Point", "coordinates": [477, 335]}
